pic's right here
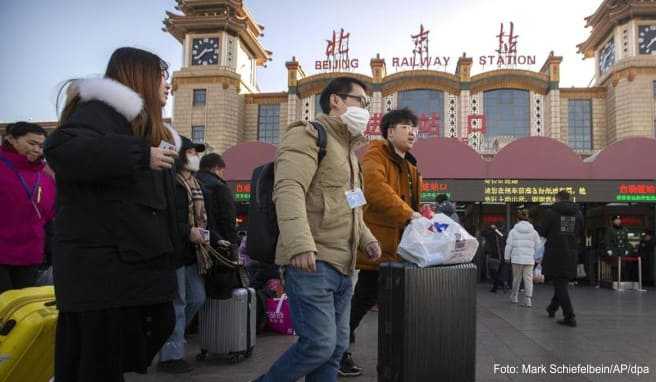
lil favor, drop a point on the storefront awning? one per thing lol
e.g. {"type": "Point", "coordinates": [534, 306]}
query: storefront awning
{"type": "Point", "coordinates": [537, 158]}
{"type": "Point", "coordinates": [630, 158]}
{"type": "Point", "coordinates": [448, 159]}
{"type": "Point", "coordinates": [243, 158]}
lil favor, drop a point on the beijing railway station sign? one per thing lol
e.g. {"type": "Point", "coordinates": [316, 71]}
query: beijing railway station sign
{"type": "Point", "coordinates": [505, 55]}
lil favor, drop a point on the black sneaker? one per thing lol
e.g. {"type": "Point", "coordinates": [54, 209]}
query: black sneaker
{"type": "Point", "coordinates": [551, 313]}
{"type": "Point", "coordinates": [568, 322]}
{"type": "Point", "coordinates": [174, 366]}
{"type": "Point", "coordinates": [347, 367]}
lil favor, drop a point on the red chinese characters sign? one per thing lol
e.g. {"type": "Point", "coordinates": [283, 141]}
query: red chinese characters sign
{"type": "Point", "coordinates": [337, 53]}
{"type": "Point", "coordinates": [428, 125]}
{"type": "Point", "coordinates": [636, 193]}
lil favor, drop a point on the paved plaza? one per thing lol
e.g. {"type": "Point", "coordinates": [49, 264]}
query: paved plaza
{"type": "Point", "coordinates": [614, 328]}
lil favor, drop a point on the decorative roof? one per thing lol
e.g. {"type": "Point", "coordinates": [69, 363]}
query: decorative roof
{"type": "Point", "coordinates": [510, 78]}
{"type": "Point", "coordinates": [209, 16]}
{"type": "Point", "coordinates": [314, 84]}
{"type": "Point", "coordinates": [420, 79]}
{"type": "Point", "coordinates": [610, 14]}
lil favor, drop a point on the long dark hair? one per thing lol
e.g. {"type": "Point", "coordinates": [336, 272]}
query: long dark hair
{"type": "Point", "coordinates": [141, 71]}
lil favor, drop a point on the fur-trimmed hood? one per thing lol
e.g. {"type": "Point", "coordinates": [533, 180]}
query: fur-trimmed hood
{"type": "Point", "coordinates": [121, 98]}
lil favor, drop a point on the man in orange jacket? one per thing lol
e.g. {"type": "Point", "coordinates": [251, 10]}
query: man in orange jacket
{"type": "Point", "coordinates": [392, 187]}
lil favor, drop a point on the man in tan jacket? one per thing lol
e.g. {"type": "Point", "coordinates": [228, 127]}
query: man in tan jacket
{"type": "Point", "coordinates": [319, 209]}
{"type": "Point", "coordinates": [392, 186]}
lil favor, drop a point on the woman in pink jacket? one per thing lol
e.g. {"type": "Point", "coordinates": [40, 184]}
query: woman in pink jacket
{"type": "Point", "coordinates": [27, 202]}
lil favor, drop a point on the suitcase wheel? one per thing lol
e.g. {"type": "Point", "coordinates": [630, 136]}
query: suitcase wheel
{"type": "Point", "coordinates": [248, 353]}
{"type": "Point", "coordinates": [202, 356]}
{"type": "Point", "coordinates": [234, 358]}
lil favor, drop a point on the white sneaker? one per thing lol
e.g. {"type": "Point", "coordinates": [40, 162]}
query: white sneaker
{"type": "Point", "coordinates": [528, 303]}
{"type": "Point", "coordinates": [514, 299]}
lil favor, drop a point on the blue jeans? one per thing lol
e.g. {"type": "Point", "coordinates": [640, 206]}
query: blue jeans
{"type": "Point", "coordinates": [320, 304]}
{"type": "Point", "coordinates": [188, 300]}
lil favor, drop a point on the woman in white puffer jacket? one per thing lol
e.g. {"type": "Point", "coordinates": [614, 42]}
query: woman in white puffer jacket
{"type": "Point", "coordinates": [522, 242]}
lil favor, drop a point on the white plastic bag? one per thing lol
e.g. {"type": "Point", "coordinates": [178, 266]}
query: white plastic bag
{"type": "Point", "coordinates": [437, 241]}
{"type": "Point", "coordinates": [538, 277]}
{"type": "Point", "coordinates": [539, 251]}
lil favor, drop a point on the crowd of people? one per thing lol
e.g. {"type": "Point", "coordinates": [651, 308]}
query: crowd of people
{"type": "Point", "coordinates": [138, 207]}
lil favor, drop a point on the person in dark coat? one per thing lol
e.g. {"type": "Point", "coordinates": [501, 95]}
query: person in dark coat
{"type": "Point", "coordinates": [646, 253]}
{"type": "Point", "coordinates": [562, 226]}
{"type": "Point", "coordinates": [115, 232]}
{"type": "Point", "coordinates": [495, 244]}
{"type": "Point", "coordinates": [446, 207]}
{"type": "Point", "coordinates": [192, 219]}
{"type": "Point", "coordinates": [617, 238]}
{"type": "Point", "coordinates": [211, 174]}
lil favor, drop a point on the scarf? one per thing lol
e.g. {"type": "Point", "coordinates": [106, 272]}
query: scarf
{"type": "Point", "coordinates": [196, 217]}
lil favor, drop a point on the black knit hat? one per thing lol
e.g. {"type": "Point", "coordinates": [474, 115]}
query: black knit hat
{"type": "Point", "coordinates": [188, 144]}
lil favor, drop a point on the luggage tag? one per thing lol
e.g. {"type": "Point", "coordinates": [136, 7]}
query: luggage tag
{"type": "Point", "coordinates": [164, 145]}
{"type": "Point", "coordinates": [205, 234]}
{"type": "Point", "coordinates": [355, 198]}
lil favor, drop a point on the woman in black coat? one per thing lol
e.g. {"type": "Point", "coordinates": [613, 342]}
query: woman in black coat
{"type": "Point", "coordinates": [115, 231]}
{"type": "Point", "coordinates": [562, 226]}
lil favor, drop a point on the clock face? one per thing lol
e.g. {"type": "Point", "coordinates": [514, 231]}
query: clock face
{"type": "Point", "coordinates": [607, 56]}
{"type": "Point", "coordinates": [647, 39]}
{"type": "Point", "coordinates": [205, 51]}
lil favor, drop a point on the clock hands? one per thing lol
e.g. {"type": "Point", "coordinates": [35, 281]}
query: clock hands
{"type": "Point", "coordinates": [202, 53]}
{"type": "Point", "coordinates": [650, 42]}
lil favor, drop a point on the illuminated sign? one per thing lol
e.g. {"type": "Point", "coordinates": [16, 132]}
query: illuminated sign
{"type": "Point", "coordinates": [242, 192]}
{"type": "Point", "coordinates": [517, 190]}
{"type": "Point", "coordinates": [639, 192]}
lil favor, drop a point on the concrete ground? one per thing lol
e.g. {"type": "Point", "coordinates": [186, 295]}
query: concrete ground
{"type": "Point", "coordinates": [615, 328]}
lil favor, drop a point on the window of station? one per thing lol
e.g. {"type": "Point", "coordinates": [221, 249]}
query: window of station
{"type": "Point", "coordinates": [200, 96]}
{"type": "Point", "coordinates": [317, 106]}
{"type": "Point", "coordinates": [198, 134]}
{"type": "Point", "coordinates": [427, 104]}
{"type": "Point", "coordinates": [580, 124]}
{"type": "Point", "coordinates": [506, 113]}
{"type": "Point", "coordinates": [268, 123]}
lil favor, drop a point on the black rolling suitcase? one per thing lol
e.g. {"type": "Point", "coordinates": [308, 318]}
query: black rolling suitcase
{"type": "Point", "coordinates": [427, 323]}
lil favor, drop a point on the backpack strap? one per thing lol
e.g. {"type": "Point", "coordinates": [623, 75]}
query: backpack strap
{"type": "Point", "coordinates": [322, 139]}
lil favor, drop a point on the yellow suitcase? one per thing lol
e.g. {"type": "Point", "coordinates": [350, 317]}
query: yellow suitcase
{"type": "Point", "coordinates": [28, 318]}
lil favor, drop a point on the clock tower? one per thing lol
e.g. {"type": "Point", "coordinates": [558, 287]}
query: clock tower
{"type": "Point", "coordinates": [220, 53]}
{"type": "Point", "coordinates": [623, 45]}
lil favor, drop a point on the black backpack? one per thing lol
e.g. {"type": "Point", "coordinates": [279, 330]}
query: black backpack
{"type": "Point", "coordinates": [262, 220]}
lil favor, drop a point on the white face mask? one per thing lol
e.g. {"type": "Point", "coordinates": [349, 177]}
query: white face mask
{"type": "Point", "coordinates": [193, 163]}
{"type": "Point", "coordinates": [356, 119]}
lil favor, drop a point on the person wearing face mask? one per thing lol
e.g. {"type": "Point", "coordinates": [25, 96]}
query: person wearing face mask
{"type": "Point", "coordinates": [27, 202]}
{"type": "Point", "coordinates": [319, 206]}
{"type": "Point", "coordinates": [192, 218]}
{"type": "Point", "coordinates": [392, 189]}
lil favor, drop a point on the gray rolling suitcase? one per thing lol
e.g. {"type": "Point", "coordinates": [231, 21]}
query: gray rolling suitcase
{"type": "Point", "coordinates": [227, 327]}
{"type": "Point", "coordinates": [427, 323]}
